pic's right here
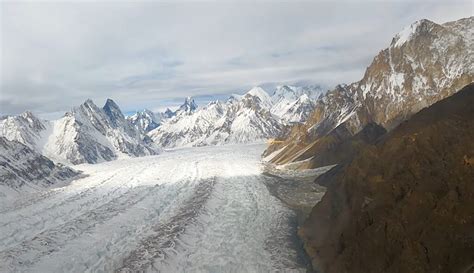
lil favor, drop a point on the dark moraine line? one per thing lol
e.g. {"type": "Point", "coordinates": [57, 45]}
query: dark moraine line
{"type": "Point", "coordinates": [166, 234]}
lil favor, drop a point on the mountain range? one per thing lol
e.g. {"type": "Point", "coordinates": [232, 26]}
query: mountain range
{"type": "Point", "coordinates": [253, 116]}
{"type": "Point", "coordinates": [86, 134]}
{"type": "Point", "coordinates": [423, 64]}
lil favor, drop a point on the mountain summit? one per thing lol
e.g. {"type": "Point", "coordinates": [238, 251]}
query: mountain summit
{"type": "Point", "coordinates": [188, 107]}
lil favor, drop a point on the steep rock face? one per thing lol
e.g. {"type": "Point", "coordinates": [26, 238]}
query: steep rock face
{"type": "Point", "coordinates": [22, 167]}
{"type": "Point", "coordinates": [241, 119]}
{"type": "Point", "coordinates": [336, 147]}
{"type": "Point", "coordinates": [115, 115]}
{"type": "Point", "coordinates": [404, 204]}
{"type": "Point", "coordinates": [425, 62]}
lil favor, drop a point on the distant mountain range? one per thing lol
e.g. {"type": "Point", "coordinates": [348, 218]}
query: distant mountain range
{"type": "Point", "coordinates": [89, 134]}
{"type": "Point", "coordinates": [86, 134]}
{"type": "Point", "coordinates": [242, 118]}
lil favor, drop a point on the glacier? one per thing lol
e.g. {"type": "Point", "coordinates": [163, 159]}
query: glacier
{"type": "Point", "coordinates": [188, 209]}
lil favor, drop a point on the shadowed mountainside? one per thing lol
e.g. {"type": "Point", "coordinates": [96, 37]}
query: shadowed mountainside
{"type": "Point", "coordinates": [405, 203]}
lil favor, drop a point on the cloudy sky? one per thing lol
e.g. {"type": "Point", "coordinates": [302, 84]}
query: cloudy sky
{"type": "Point", "coordinates": [152, 54]}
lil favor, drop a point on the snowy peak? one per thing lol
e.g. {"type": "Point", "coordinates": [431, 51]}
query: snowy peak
{"type": "Point", "coordinates": [284, 92]}
{"type": "Point", "coordinates": [145, 120]}
{"type": "Point", "coordinates": [25, 128]}
{"type": "Point", "coordinates": [114, 113]}
{"type": "Point", "coordinates": [32, 121]}
{"type": "Point", "coordinates": [294, 104]}
{"type": "Point", "coordinates": [259, 93]}
{"type": "Point", "coordinates": [168, 113]}
{"type": "Point", "coordinates": [188, 107]}
{"type": "Point", "coordinates": [88, 112]}
{"type": "Point", "coordinates": [292, 93]}
{"type": "Point", "coordinates": [420, 27]}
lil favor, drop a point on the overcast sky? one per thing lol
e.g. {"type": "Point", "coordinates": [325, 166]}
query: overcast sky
{"type": "Point", "coordinates": [152, 54]}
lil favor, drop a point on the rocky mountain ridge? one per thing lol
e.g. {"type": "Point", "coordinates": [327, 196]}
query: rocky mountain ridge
{"type": "Point", "coordinates": [424, 63]}
{"type": "Point", "coordinates": [86, 134]}
{"type": "Point", "coordinates": [23, 169]}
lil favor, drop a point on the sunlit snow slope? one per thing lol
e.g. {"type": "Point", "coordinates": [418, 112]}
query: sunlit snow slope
{"type": "Point", "coordinates": [196, 209]}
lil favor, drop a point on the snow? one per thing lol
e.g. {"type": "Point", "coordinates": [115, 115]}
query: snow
{"type": "Point", "coordinates": [247, 118]}
{"type": "Point", "coordinates": [405, 35]}
{"type": "Point", "coordinates": [190, 209]}
{"type": "Point", "coordinates": [86, 134]}
{"type": "Point", "coordinates": [261, 94]}
{"type": "Point", "coordinates": [244, 120]}
{"type": "Point", "coordinates": [396, 81]}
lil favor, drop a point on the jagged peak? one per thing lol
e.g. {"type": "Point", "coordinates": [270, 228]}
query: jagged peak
{"type": "Point", "coordinates": [32, 120]}
{"type": "Point", "coordinates": [112, 110]}
{"type": "Point", "coordinates": [411, 31]}
{"type": "Point", "coordinates": [145, 112]}
{"type": "Point", "coordinates": [234, 97]}
{"type": "Point", "coordinates": [28, 114]}
{"type": "Point", "coordinates": [111, 106]}
{"type": "Point", "coordinates": [90, 105]}
{"type": "Point", "coordinates": [188, 106]}
{"type": "Point", "coordinates": [111, 103]}
{"type": "Point", "coordinates": [89, 102]}
{"type": "Point", "coordinates": [168, 113]}
{"type": "Point", "coordinates": [214, 102]}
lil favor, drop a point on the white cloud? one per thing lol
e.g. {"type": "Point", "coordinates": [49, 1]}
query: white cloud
{"type": "Point", "coordinates": [55, 55]}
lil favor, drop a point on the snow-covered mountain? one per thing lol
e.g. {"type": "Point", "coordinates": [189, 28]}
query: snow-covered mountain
{"type": "Point", "coordinates": [245, 118]}
{"type": "Point", "coordinates": [250, 117]}
{"type": "Point", "coordinates": [24, 128]}
{"type": "Point", "coordinates": [187, 108]}
{"type": "Point", "coordinates": [87, 134]}
{"type": "Point", "coordinates": [23, 169]}
{"type": "Point", "coordinates": [294, 104]}
{"type": "Point", "coordinates": [423, 64]}
{"type": "Point", "coordinates": [145, 120]}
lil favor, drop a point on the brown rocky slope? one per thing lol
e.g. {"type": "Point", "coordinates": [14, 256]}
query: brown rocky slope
{"type": "Point", "coordinates": [424, 63]}
{"type": "Point", "coordinates": [404, 204]}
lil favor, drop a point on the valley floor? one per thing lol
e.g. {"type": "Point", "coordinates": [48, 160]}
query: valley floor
{"type": "Point", "coordinates": [194, 210]}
